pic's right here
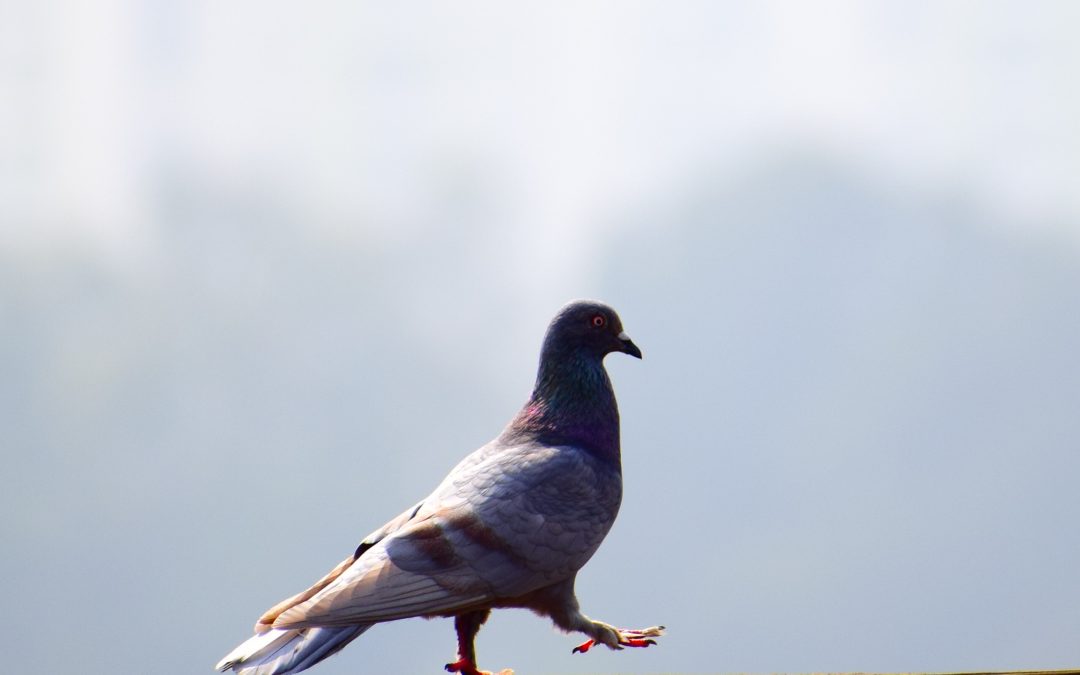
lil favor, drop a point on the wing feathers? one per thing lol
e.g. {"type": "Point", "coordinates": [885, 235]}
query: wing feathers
{"type": "Point", "coordinates": [266, 621]}
{"type": "Point", "coordinates": [423, 568]}
{"type": "Point", "coordinates": [376, 591]}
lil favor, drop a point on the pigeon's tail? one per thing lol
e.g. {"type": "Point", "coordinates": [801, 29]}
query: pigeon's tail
{"type": "Point", "coordinates": [279, 652]}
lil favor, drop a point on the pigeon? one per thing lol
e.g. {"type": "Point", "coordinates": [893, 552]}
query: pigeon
{"type": "Point", "coordinates": [510, 525]}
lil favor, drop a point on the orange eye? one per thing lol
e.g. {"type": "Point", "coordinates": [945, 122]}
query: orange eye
{"type": "Point", "coordinates": [598, 321]}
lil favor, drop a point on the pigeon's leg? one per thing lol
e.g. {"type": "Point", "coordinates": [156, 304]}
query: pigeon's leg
{"type": "Point", "coordinates": [467, 626]}
{"type": "Point", "coordinates": [559, 603]}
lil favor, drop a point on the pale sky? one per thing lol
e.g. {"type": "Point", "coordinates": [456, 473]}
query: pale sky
{"type": "Point", "coordinates": [567, 114]}
{"type": "Point", "coordinates": [268, 270]}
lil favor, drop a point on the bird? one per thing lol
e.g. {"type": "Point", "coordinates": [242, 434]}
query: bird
{"type": "Point", "coordinates": [509, 526]}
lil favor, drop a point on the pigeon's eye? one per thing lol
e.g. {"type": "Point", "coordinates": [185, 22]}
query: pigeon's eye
{"type": "Point", "coordinates": [598, 321]}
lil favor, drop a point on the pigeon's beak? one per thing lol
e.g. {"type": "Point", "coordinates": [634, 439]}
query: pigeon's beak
{"type": "Point", "coordinates": [628, 346]}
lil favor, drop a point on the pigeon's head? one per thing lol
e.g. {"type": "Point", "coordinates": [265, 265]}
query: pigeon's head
{"type": "Point", "coordinates": [590, 328]}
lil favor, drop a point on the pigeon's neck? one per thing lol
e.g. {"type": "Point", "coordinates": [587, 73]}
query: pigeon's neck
{"type": "Point", "coordinates": [572, 404]}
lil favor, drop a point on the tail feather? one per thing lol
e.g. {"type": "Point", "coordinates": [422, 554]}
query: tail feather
{"type": "Point", "coordinates": [280, 652]}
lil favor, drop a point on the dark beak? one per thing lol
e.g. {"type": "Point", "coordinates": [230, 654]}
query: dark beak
{"type": "Point", "coordinates": [628, 346]}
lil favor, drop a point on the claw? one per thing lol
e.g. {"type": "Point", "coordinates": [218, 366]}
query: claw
{"type": "Point", "coordinates": [468, 668]}
{"type": "Point", "coordinates": [465, 667]}
{"type": "Point", "coordinates": [627, 638]}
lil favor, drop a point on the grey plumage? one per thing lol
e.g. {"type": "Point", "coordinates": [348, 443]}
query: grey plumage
{"type": "Point", "coordinates": [509, 526]}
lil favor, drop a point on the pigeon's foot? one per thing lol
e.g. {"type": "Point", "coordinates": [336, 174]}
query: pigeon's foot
{"type": "Point", "coordinates": [466, 667]}
{"type": "Point", "coordinates": [617, 638]}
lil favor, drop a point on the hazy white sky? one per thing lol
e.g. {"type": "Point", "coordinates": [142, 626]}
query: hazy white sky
{"type": "Point", "coordinates": [559, 115]}
{"type": "Point", "coordinates": [244, 242]}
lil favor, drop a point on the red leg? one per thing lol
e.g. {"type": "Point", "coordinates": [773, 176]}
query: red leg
{"type": "Point", "coordinates": [467, 626]}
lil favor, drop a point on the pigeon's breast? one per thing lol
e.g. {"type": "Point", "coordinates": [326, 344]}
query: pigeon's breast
{"type": "Point", "coordinates": [544, 509]}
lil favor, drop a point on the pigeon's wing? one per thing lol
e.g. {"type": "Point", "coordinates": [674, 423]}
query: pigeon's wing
{"type": "Point", "coordinates": [266, 621]}
{"type": "Point", "coordinates": [413, 573]}
{"type": "Point", "coordinates": [517, 520]}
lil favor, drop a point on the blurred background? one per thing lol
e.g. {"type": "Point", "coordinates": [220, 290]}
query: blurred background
{"type": "Point", "coordinates": [268, 270]}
